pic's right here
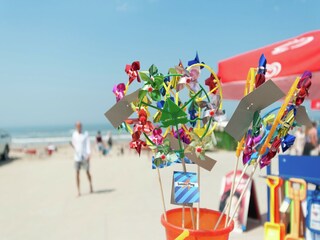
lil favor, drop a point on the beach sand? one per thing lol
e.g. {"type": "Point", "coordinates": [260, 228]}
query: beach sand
{"type": "Point", "coordinates": [38, 196]}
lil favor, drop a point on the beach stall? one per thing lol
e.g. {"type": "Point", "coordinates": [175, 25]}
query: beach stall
{"type": "Point", "coordinates": [286, 60]}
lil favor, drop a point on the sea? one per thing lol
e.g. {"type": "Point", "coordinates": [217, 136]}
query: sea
{"type": "Point", "coordinates": [59, 134]}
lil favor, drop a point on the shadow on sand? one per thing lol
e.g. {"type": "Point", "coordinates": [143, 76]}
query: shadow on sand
{"type": "Point", "coordinates": [254, 223]}
{"type": "Point", "coordinates": [10, 160]}
{"type": "Point", "coordinates": [101, 191]}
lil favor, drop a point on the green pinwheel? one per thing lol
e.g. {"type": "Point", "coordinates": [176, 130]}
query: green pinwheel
{"type": "Point", "coordinates": [199, 145]}
{"type": "Point", "coordinates": [256, 124]}
{"type": "Point", "coordinates": [164, 153]}
{"type": "Point", "coordinates": [153, 83]}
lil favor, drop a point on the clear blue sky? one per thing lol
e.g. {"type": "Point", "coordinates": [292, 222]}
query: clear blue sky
{"type": "Point", "coordinates": [60, 59]}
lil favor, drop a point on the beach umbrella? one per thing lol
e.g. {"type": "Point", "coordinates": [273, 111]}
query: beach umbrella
{"type": "Point", "coordinates": [286, 60]}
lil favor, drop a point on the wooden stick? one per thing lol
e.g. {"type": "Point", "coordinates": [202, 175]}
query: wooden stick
{"type": "Point", "coordinates": [244, 191]}
{"type": "Point", "coordinates": [192, 218]}
{"type": "Point", "coordinates": [183, 211]}
{"type": "Point", "coordinates": [232, 191]}
{"type": "Point", "coordinates": [248, 89]}
{"type": "Point", "coordinates": [183, 208]}
{"type": "Point", "coordinates": [236, 187]}
{"type": "Point", "coordinates": [185, 170]}
{"type": "Point", "coordinates": [162, 196]}
{"type": "Point", "coordinates": [198, 208]}
{"type": "Point", "coordinates": [239, 150]}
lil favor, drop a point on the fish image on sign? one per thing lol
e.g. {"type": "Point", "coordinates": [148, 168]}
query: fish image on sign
{"type": "Point", "coordinates": [186, 189]}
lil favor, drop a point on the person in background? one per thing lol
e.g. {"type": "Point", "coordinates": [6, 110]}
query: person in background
{"type": "Point", "coordinates": [311, 140]}
{"type": "Point", "coordinates": [81, 145]}
{"type": "Point", "coordinates": [109, 139]}
{"type": "Point", "coordinates": [99, 142]}
{"type": "Point", "coordinates": [298, 146]}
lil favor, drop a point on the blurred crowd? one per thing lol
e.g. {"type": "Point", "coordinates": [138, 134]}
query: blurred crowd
{"type": "Point", "coordinates": [307, 141]}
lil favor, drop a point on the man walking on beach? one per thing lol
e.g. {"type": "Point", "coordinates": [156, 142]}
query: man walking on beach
{"type": "Point", "coordinates": [81, 145]}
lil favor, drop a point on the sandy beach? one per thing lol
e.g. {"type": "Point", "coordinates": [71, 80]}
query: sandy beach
{"type": "Point", "coordinates": [38, 197]}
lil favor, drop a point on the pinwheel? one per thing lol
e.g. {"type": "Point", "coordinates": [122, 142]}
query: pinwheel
{"type": "Point", "coordinates": [212, 84]}
{"type": "Point", "coordinates": [211, 110]}
{"type": "Point", "coordinates": [256, 124]}
{"type": "Point", "coordinates": [199, 146]}
{"type": "Point", "coordinates": [136, 142]}
{"type": "Point", "coordinates": [287, 123]}
{"type": "Point", "coordinates": [260, 77]}
{"type": "Point", "coordinates": [189, 79]}
{"type": "Point", "coordinates": [182, 135]}
{"type": "Point", "coordinates": [192, 114]}
{"type": "Point", "coordinates": [287, 142]}
{"type": "Point", "coordinates": [166, 81]}
{"type": "Point", "coordinates": [195, 61]}
{"type": "Point", "coordinates": [248, 149]}
{"type": "Point", "coordinates": [132, 71]}
{"type": "Point", "coordinates": [157, 163]}
{"type": "Point", "coordinates": [266, 159]}
{"type": "Point", "coordinates": [153, 83]}
{"type": "Point", "coordinates": [119, 90]}
{"type": "Point", "coordinates": [164, 155]}
{"type": "Point", "coordinates": [157, 137]}
{"type": "Point", "coordinates": [141, 124]}
{"type": "Point", "coordinates": [303, 85]}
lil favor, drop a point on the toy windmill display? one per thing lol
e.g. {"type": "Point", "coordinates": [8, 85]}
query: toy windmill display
{"type": "Point", "coordinates": [174, 115]}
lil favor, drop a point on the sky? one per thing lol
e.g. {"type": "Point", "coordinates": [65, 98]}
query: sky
{"type": "Point", "coordinates": [60, 59]}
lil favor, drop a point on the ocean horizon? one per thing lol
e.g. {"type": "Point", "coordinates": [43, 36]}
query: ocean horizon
{"type": "Point", "coordinates": [54, 134]}
{"type": "Point", "coordinates": [61, 133]}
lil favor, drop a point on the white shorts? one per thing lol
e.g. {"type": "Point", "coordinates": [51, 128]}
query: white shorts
{"type": "Point", "coordinates": [84, 164]}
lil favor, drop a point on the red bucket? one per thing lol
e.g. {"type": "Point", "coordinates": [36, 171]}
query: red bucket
{"type": "Point", "coordinates": [208, 219]}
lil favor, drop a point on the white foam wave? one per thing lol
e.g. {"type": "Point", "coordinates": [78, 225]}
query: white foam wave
{"type": "Point", "coordinates": [60, 140]}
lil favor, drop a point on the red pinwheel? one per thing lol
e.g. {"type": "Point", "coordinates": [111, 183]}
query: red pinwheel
{"type": "Point", "coordinates": [132, 71]}
{"type": "Point", "coordinates": [304, 85]}
{"type": "Point", "coordinates": [118, 90]}
{"type": "Point", "coordinates": [266, 159]}
{"type": "Point", "coordinates": [142, 123]}
{"type": "Point", "coordinates": [156, 137]}
{"type": "Point", "coordinates": [210, 82]}
{"type": "Point", "coordinates": [136, 142]}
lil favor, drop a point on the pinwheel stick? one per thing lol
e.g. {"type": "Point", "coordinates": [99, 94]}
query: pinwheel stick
{"type": "Point", "coordinates": [239, 148]}
{"type": "Point", "coordinates": [248, 89]}
{"type": "Point", "coordinates": [234, 189]}
{"type": "Point", "coordinates": [181, 155]}
{"type": "Point", "coordinates": [244, 191]}
{"type": "Point", "coordinates": [162, 195]}
{"type": "Point", "coordinates": [160, 183]}
{"type": "Point", "coordinates": [198, 207]}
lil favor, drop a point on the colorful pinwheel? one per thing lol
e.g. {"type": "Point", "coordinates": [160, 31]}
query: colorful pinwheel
{"type": "Point", "coordinates": [132, 71]}
{"type": "Point", "coordinates": [119, 90]}
{"type": "Point", "coordinates": [136, 142]}
{"type": "Point", "coordinates": [199, 145]}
